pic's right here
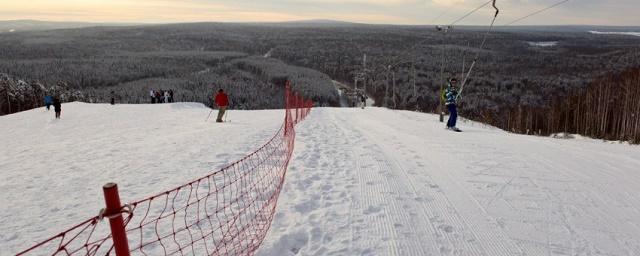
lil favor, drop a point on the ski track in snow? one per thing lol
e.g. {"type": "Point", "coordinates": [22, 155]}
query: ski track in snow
{"type": "Point", "coordinates": [383, 182]}
{"type": "Point", "coordinates": [361, 182]}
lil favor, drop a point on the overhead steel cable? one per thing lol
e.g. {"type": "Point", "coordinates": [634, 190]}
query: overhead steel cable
{"type": "Point", "coordinates": [536, 12]}
{"type": "Point", "coordinates": [412, 47]}
{"type": "Point", "coordinates": [441, 14]}
{"type": "Point", "coordinates": [471, 12]}
{"type": "Point", "coordinates": [484, 40]}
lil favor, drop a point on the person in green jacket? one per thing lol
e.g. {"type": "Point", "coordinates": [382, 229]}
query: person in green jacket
{"type": "Point", "coordinates": [451, 96]}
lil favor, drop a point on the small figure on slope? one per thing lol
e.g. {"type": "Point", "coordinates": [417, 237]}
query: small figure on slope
{"type": "Point", "coordinates": [48, 100]}
{"type": "Point", "coordinates": [57, 107]}
{"type": "Point", "coordinates": [451, 95]}
{"type": "Point", "coordinates": [222, 101]}
{"type": "Point", "coordinates": [152, 94]}
{"type": "Point", "coordinates": [363, 99]}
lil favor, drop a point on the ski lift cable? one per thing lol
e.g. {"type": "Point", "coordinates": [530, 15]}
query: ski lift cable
{"type": "Point", "coordinates": [491, 27]}
{"type": "Point", "coordinates": [471, 12]}
{"type": "Point", "coordinates": [495, 16]}
{"type": "Point", "coordinates": [432, 22]}
{"type": "Point", "coordinates": [484, 40]}
{"type": "Point", "coordinates": [536, 12]}
{"type": "Point", "coordinates": [411, 48]}
{"type": "Point", "coordinates": [442, 14]}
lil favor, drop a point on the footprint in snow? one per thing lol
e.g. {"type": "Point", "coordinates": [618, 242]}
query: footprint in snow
{"type": "Point", "coordinates": [446, 228]}
{"type": "Point", "coordinates": [372, 209]}
{"type": "Point", "coordinates": [306, 207]}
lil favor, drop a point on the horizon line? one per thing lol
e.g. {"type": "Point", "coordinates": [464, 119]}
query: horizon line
{"type": "Point", "coordinates": [308, 21]}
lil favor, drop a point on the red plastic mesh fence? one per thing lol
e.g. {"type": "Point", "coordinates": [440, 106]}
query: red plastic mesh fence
{"type": "Point", "coordinates": [227, 212]}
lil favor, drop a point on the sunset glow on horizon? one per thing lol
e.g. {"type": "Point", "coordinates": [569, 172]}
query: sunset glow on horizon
{"type": "Point", "coordinates": [587, 12]}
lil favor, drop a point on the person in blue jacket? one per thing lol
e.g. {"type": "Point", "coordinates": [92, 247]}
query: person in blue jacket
{"type": "Point", "coordinates": [451, 96]}
{"type": "Point", "coordinates": [48, 101]}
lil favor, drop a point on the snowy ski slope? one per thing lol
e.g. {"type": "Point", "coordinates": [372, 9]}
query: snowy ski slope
{"type": "Point", "coordinates": [383, 182]}
{"type": "Point", "coordinates": [362, 182]}
{"type": "Point", "coordinates": [53, 170]}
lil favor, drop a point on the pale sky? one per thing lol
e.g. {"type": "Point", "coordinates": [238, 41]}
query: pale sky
{"type": "Point", "coordinates": [575, 12]}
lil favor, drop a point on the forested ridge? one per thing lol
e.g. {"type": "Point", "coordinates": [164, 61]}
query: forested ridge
{"type": "Point", "coordinates": [609, 108]}
{"type": "Point", "coordinates": [526, 68]}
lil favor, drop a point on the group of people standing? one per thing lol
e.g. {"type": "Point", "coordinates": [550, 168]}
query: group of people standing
{"type": "Point", "coordinates": [161, 96]}
{"type": "Point", "coordinates": [55, 102]}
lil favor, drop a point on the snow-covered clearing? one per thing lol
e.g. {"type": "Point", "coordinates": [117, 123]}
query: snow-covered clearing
{"type": "Point", "coordinates": [361, 182]}
{"type": "Point", "coordinates": [382, 182]}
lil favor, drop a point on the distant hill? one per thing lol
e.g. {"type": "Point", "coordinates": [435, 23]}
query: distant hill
{"type": "Point", "coordinates": [37, 25]}
{"type": "Point", "coordinates": [312, 22]}
{"type": "Point", "coordinates": [320, 21]}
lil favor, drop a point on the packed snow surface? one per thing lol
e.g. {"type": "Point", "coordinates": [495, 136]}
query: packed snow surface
{"type": "Point", "coordinates": [383, 182]}
{"type": "Point", "coordinates": [361, 182]}
{"type": "Point", "coordinates": [53, 170]}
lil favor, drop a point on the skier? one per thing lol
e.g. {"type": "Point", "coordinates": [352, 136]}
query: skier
{"type": "Point", "coordinates": [48, 100]}
{"type": "Point", "coordinates": [152, 93]}
{"type": "Point", "coordinates": [166, 97]}
{"type": "Point", "coordinates": [363, 99]}
{"type": "Point", "coordinates": [451, 95]}
{"type": "Point", "coordinates": [57, 107]}
{"type": "Point", "coordinates": [158, 96]}
{"type": "Point", "coordinates": [113, 98]}
{"type": "Point", "coordinates": [222, 101]}
{"type": "Point", "coordinates": [170, 95]}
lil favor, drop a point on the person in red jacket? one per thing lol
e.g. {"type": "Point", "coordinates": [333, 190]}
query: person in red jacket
{"type": "Point", "coordinates": [222, 101]}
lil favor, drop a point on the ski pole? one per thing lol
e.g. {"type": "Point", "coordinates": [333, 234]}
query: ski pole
{"type": "Point", "coordinates": [208, 116]}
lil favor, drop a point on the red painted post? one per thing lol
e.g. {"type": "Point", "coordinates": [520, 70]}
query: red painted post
{"type": "Point", "coordinates": [113, 211]}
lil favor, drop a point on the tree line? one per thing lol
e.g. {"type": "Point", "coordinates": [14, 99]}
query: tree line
{"type": "Point", "coordinates": [609, 108]}
{"type": "Point", "coordinates": [17, 95]}
{"type": "Point", "coordinates": [252, 82]}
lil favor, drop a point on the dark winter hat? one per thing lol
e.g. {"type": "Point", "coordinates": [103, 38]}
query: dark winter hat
{"type": "Point", "coordinates": [453, 80]}
{"type": "Point", "coordinates": [220, 90]}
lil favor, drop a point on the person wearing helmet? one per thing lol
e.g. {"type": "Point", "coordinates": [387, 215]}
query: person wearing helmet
{"type": "Point", "coordinates": [451, 95]}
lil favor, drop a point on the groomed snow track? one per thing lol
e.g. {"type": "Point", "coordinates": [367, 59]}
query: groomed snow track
{"type": "Point", "coordinates": [384, 182]}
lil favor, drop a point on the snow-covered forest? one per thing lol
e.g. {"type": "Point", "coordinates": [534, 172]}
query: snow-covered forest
{"type": "Point", "coordinates": [405, 66]}
{"type": "Point", "coordinates": [18, 95]}
{"type": "Point", "coordinates": [608, 108]}
{"type": "Point", "coordinates": [253, 82]}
